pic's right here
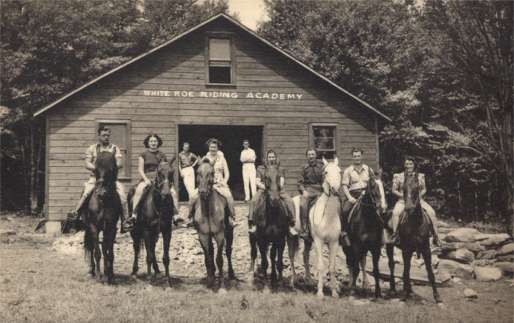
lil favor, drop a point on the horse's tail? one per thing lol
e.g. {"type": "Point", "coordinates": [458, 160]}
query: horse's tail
{"type": "Point", "coordinates": [88, 244]}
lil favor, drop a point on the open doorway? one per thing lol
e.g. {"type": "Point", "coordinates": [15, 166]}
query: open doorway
{"type": "Point", "coordinates": [231, 138]}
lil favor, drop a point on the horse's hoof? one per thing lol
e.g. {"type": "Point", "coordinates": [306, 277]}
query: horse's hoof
{"type": "Point", "coordinates": [441, 305]}
{"type": "Point", "coordinates": [334, 294]}
{"type": "Point", "coordinates": [319, 294]}
{"type": "Point", "coordinates": [231, 275]}
{"type": "Point", "coordinates": [222, 291]}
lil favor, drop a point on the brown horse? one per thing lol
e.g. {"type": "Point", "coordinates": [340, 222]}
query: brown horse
{"type": "Point", "coordinates": [414, 230]}
{"type": "Point", "coordinates": [365, 232]}
{"type": "Point", "coordinates": [210, 222]}
{"type": "Point", "coordinates": [272, 228]}
{"type": "Point", "coordinates": [103, 210]}
{"type": "Point", "coordinates": [155, 215]}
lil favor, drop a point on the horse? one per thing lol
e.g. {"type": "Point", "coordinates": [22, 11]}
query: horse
{"type": "Point", "coordinates": [414, 231]}
{"type": "Point", "coordinates": [272, 228]}
{"type": "Point", "coordinates": [101, 215]}
{"type": "Point", "coordinates": [211, 223]}
{"type": "Point", "coordinates": [155, 215]}
{"type": "Point", "coordinates": [365, 233]}
{"type": "Point", "coordinates": [325, 224]}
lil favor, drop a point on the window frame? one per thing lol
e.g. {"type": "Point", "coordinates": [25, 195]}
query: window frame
{"type": "Point", "coordinates": [312, 137]}
{"type": "Point", "coordinates": [231, 63]}
{"type": "Point", "coordinates": [127, 163]}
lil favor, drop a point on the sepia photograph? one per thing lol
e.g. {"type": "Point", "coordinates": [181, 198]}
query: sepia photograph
{"type": "Point", "coordinates": [256, 161]}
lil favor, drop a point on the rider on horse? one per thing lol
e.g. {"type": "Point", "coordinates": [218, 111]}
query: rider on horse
{"type": "Point", "coordinates": [401, 179]}
{"type": "Point", "coordinates": [256, 205]}
{"type": "Point", "coordinates": [354, 182]}
{"type": "Point", "coordinates": [104, 144]}
{"type": "Point", "coordinates": [310, 184]}
{"type": "Point", "coordinates": [221, 177]}
{"type": "Point", "coordinates": [148, 163]}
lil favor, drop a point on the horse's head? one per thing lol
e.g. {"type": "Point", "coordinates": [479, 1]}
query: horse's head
{"type": "Point", "coordinates": [332, 175]}
{"type": "Point", "coordinates": [272, 184]}
{"type": "Point", "coordinates": [164, 178]}
{"type": "Point", "coordinates": [106, 173]}
{"type": "Point", "coordinates": [205, 178]}
{"type": "Point", "coordinates": [411, 194]}
{"type": "Point", "coordinates": [372, 194]}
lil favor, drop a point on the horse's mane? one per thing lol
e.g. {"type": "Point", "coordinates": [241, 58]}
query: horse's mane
{"type": "Point", "coordinates": [106, 162]}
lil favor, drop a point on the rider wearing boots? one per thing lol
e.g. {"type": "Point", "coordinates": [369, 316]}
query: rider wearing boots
{"type": "Point", "coordinates": [104, 144]}
{"type": "Point", "coordinates": [221, 177]}
{"type": "Point", "coordinates": [354, 182]}
{"type": "Point", "coordinates": [148, 163]}
{"type": "Point", "coordinates": [310, 186]}
{"type": "Point", "coordinates": [258, 200]}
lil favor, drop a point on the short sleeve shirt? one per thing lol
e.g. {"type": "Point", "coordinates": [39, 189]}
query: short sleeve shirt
{"type": "Point", "coordinates": [220, 164]}
{"type": "Point", "coordinates": [152, 159]}
{"type": "Point", "coordinates": [261, 172]}
{"type": "Point", "coordinates": [399, 180]}
{"type": "Point", "coordinates": [356, 179]}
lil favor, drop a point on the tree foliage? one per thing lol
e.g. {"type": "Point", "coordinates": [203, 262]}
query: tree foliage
{"type": "Point", "coordinates": [51, 47]}
{"type": "Point", "coordinates": [442, 70]}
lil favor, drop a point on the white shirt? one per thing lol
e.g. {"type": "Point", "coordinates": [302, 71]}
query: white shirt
{"type": "Point", "coordinates": [248, 156]}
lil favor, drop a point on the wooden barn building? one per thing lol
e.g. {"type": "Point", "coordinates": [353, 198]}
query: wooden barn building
{"type": "Point", "coordinates": [218, 79]}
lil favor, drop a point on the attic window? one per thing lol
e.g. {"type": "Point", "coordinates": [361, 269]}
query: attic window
{"type": "Point", "coordinates": [220, 61]}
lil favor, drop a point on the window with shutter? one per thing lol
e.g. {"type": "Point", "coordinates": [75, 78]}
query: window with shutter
{"type": "Point", "coordinates": [220, 61]}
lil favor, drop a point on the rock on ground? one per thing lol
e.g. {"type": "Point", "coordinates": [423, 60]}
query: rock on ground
{"type": "Point", "coordinates": [507, 249]}
{"type": "Point", "coordinates": [470, 293]}
{"type": "Point", "coordinates": [506, 267]}
{"type": "Point", "coordinates": [487, 274]}
{"type": "Point", "coordinates": [461, 255]}
{"type": "Point", "coordinates": [462, 235]}
{"type": "Point", "coordinates": [490, 240]}
{"type": "Point", "coordinates": [455, 268]}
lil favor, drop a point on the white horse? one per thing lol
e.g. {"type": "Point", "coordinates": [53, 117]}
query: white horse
{"type": "Point", "coordinates": [325, 227]}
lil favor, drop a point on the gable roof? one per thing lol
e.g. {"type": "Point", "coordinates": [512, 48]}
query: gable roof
{"type": "Point", "coordinates": [237, 24]}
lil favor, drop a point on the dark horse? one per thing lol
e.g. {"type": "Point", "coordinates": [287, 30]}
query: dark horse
{"type": "Point", "coordinates": [154, 215]}
{"type": "Point", "coordinates": [272, 228]}
{"type": "Point", "coordinates": [210, 222]}
{"type": "Point", "coordinates": [414, 230]}
{"type": "Point", "coordinates": [365, 232]}
{"type": "Point", "coordinates": [103, 210]}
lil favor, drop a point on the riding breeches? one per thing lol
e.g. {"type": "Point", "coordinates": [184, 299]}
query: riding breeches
{"type": "Point", "coordinates": [138, 193]}
{"type": "Point", "coordinates": [89, 186]}
{"type": "Point", "coordinates": [188, 176]}
{"type": "Point", "coordinates": [307, 199]}
{"type": "Point", "coordinates": [249, 180]}
{"type": "Point", "coordinates": [400, 206]}
{"type": "Point", "coordinates": [223, 190]}
{"type": "Point", "coordinates": [256, 206]}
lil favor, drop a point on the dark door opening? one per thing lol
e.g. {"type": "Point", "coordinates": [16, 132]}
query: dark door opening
{"type": "Point", "coordinates": [232, 139]}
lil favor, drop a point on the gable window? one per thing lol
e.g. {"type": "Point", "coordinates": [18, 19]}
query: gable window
{"type": "Point", "coordinates": [323, 139]}
{"type": "Point", "coordinates": [120, 136]}
{"type": "Point", "coordinates": [220, 61]}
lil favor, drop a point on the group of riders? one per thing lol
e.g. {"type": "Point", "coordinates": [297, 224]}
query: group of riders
{"type": "Point", "coordinates": [355, 179]}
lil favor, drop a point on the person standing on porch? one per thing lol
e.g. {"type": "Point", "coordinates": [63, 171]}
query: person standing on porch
{"type": "Point", "coordinates": [186, 163]}
{"type": "Point", "coordinates": [249, 173]}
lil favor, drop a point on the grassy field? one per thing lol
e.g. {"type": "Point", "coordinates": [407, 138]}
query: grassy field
{"type": "Point", "coordinates": [45, 281]}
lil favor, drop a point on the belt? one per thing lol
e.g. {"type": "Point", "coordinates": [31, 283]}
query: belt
{"type": "Point", "coordinates": [187, 166]}
{"type": "Point", "coordinates": [249, 162]}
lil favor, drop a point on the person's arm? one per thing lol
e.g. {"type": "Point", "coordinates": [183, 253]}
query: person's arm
{"type": "Point", "coordinates": [422, 185]}
{"type": "Point", "coordinates": [195, 158]}
{"type": "Point", "coordinates": [346, 183]}
{"type": "Point", "coordinates": [226, 172]}
{"type": "Point", "coordinates": [180, 163]}
{"type": "Point", "coordinates": [241, 159]}
{"type": "Point", "coordinates": [396, 186]}
{"type": "Point", "coordinates": [253, 157]}
{"type": "Point", "coordinates": [89, 160]}
{"type": "Point", "coordinates": [141, 170]}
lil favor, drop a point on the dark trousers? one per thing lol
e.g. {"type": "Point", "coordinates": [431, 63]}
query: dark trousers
{"type": "Point", "coordinates": [347, 207]}
{"type": "Point", "coordinates": [309, 196]}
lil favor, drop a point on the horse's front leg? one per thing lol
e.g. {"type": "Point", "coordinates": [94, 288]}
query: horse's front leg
{"type": "Point", "coordinates": [365, 280]}
{"type": "Point", "coordinates": [220, 242]}
{"type": "Point", "coordinates": [206, 243]}
{"type": "Point", "coordinates": [263, 249]}
{"type": "Point", "coordinates": [292, 248]}
{"type": "Point", "coordinates": [407, 289]}
{"type": "Point", "coordinates": [280, 259]}
{"type": "Point", "coordinates": [229, 240]}
{"type": "Point", "coordinates": [318, 244]}
{"type": "Point", "coordinates": [427, 258]}
{"type": "Point", "coordinates": [166, 239]}
{"type": "Point", "coordinates": [253, 251]}
{"type": "Point", "coordinates": [307, 246]}
{"type": "Point", "coordinates": [332, 248]}
{"type": "Point", "coordinates": [136, 245]}
{"type": "Point", "coordinates": [155, 238]}
{"type": "Point", "coordinates": [97, 252]}
{"type": "Point", "coordinates": [273, 257]}
{"type": "Point", "coordinates": [148, 247]}
{"type": "Point", "coordinates": [390, 258]}
{"type": "Point", "coordinates": [357, 256]}
{"type": "Point", "coordinates": [375, 254]}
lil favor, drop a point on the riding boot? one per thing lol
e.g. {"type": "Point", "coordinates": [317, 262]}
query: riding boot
{"type": "Point", "coordinates": [395, 238]}
{"type": "Point", "coordinates": [127, 223]}
{"type": "Point", "coordinates": [304, 234]}
{"type": "Point", "coordinates": [344, 239]}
